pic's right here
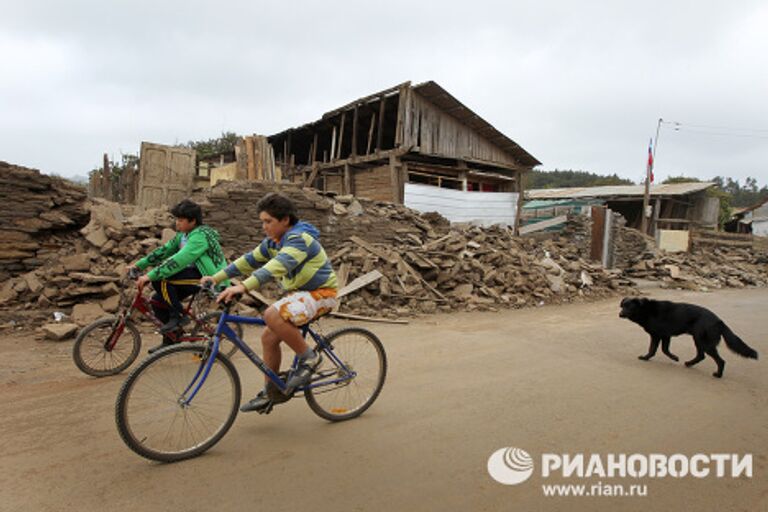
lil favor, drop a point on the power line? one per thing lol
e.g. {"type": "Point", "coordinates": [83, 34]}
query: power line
{"type": "Point", "coordinates": [717, 130]}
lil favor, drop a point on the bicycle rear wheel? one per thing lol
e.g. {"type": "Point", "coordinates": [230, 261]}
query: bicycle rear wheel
{"type": "Point", "coordinates": [151, 413]}
{"type": "Point", "coordinates": [206, 327]}
{"type": "Point", "coordinates": [361, 353]}
{"type": "Point", "coordinates": [90, 351]}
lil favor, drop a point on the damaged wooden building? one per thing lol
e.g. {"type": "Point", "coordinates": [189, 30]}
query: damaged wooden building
{"type": "Point", "coordinates": [411, 144]}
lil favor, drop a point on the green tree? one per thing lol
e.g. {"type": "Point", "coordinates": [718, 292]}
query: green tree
{"type": "Point", "coordinates": [214, 147]}
{"type": "Point", "coordinates": [569, 178]}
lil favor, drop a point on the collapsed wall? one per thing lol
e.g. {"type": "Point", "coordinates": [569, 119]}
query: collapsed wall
{"type": "Point", "coordinates": [39, 215]}
{"type": "Point", "coordinates": [427, 265]}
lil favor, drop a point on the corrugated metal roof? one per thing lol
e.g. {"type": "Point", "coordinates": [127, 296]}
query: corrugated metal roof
{"type": "Point", "coordinates": [672, 189]}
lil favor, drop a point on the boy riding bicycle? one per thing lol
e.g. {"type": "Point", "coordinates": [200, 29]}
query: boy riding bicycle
{"type": "Point", "coordinates": [292, 253]}
{"type": "Point", "coordinates": [178, 265]}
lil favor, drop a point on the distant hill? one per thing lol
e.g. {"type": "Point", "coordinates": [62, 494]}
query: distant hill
{"type": "Point", "coordinates": [569, 178]}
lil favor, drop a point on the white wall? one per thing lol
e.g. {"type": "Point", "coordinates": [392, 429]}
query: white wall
{"type": "Point", "coordinates": [760, 227]}
{"type": "Point", "coordinates": [484, 208]}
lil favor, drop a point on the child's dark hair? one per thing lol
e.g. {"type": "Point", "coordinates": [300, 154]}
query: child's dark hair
{"type": "Point", "coordinates": [278, 206]}
{"type": "Point", "coordinates": [189, 210]}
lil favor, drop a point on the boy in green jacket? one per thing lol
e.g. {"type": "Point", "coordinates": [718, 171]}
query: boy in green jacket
{"type": "Point", "coordinates": [178, 265]}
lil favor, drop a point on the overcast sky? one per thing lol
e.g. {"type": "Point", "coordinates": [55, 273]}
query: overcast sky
{"type": "Point", "coordinates": [579, 85]}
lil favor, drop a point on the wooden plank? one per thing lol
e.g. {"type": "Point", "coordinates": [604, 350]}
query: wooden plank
{"type": "Point", "coordinates": [311, 178]}
{"type": "Point", "coordinates": [598, 226]}
{"type": "Point", "coordinates": [261, 298]}
{"type": "Point", "coordinates": [531, 228]}
{"type": "Point", "coordinates": [354, 132]}
{"type": "Point", "coordinates": [368, 318]}
{"type": "Point", "coordinates": [418, 277]}
{"type": "Point", "coordinates": [341, 280]}
{"type": "Point", "coordinates": [360, 282]}
{"type": "Point", "coordinates": [314, 149]}
{"type": "Point", "coordinates": [374, 250]}
{"type": "Point", "coordinates": [251, 157]}
{"type": "Point", "coordinates": [370, 134]}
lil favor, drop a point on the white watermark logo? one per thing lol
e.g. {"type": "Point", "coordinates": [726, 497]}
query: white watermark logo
{"type": "Point", "coordinates": [510, 466]}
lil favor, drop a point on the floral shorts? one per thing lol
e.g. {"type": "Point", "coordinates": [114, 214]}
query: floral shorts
{"type": "Point", "coordinates": [300, 308]}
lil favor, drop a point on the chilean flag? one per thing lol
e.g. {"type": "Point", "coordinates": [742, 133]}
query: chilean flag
{"type": "Point", "coordinates": [650, 161]}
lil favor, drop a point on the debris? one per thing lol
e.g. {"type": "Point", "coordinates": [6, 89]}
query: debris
{"type": "Point", "coordinates": [59, 331]}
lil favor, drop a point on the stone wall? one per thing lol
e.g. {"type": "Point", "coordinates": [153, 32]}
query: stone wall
{"type": "Point", "coordinates": [230, 207]}
{"type": "Point", "coordinates": [39, 214]}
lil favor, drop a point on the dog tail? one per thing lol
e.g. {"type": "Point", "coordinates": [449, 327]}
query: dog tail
{"type": "Point", "coordinates": [736, 344]}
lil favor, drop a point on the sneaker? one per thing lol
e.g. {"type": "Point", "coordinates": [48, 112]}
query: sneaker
{"type": "Point", "coordinates": [176, 322]}
{"type": "Point", "coordinates": [259, 403]}
{"type": "Point", "coordinates": [303, 373]}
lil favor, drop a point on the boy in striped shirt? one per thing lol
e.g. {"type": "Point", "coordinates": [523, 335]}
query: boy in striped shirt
{"type": "Point", "coordinates": [291, 253]}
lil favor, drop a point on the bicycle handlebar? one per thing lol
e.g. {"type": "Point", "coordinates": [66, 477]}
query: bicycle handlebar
{"type": "Point", "coordinates": [134, 273]}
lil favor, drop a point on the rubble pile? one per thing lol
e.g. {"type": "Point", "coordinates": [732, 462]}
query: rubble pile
{"type": "Point", "coordinates": [39, 214]}
{"type": "Point", "coordinates": [717, 267]}
{"type": "Point", "coordinates": [399, 262]}
{"type": "Point", "coordinates": [83, 276]}
{"type": "Point", "coordinates": [469, 268]}
{"type": "Point", "coordinates": [230, 208]}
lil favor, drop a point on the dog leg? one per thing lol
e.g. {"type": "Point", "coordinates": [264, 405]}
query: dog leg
{"type": "Point", "coordinates": [665, 349]}
{"type": "Point", "coordinates": [651, 349]}
{"type": "Point", "coordinates": [712, 352]}
{"type": "Point", "coordinates": [697, 359]}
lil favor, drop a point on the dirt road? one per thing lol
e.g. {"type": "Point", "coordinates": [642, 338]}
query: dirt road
{"type": "Point", "coordinates": [562, 379]}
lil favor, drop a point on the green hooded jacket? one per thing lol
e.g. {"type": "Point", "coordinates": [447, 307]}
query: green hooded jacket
{"type": "Point", "coordinates": [202, 249]}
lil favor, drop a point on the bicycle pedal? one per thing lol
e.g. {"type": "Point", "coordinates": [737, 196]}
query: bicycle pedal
{"type": "Point", "coordinates": [266, 409]}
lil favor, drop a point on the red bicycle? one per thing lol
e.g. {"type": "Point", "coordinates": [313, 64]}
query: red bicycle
{"type": "Point", "coordinates": [111, 344]}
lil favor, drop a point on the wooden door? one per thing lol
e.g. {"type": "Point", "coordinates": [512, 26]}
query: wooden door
{"type": "Point", "coordinates": [166, 175]}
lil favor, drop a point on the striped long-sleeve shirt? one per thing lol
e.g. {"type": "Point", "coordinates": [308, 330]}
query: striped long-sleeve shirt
{"type": "Point", "coordinates": [297, 260]}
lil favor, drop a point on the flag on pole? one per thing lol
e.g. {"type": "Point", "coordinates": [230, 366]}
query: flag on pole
{"type": "Point", "coordinates": [650, 161]}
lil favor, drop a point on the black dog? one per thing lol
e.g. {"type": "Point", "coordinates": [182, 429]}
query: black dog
{"type": "Point", "coordinates": [663, 319]}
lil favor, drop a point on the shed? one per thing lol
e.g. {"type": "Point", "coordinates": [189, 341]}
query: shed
{"type": "Point", "coordinates": [411, 144]}
{"type": "Point", "coordinates": [675, 205]}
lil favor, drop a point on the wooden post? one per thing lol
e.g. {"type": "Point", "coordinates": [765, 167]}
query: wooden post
{"type": "Point", "coordinates": [333, 144]}
{"type": "Point", "coordinates": [341, 134]}
{"type": "Point", "coordinates": [354, 133]}
{"type": "Point", "coordinates": [598, 228]}
{"type": "Point", "coordinates": [370, 134]}
{"type": "Point", "coordinates": [380, 131]}
{"type": "Point", "coordinates": [520, 185]}
{"type": "Point", "coordinates": [347, 184]}
{"type": "Point", "coordinates": [394, 177]}
{"type": "Point", "coordinates": [259, 157]}
{"type": "Point", "coordinates": [107, 179]}
{"type": "Point", "coordinates": [400, 115]}
{"type": "Point", "coordinates": [288, 152]}
{"type": "Point", "coordinates": [314, 149]}
{"type": "Point", "coordinates": [403, 181]}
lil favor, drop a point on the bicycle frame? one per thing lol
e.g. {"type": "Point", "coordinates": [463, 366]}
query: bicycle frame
{"type": "Point", "coordinates": [222, 328]}
{"type": "Point", "coordinates": [144, 306]}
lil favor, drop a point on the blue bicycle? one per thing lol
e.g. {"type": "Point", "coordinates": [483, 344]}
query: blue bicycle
{"type": "Point", "coordinates": [183, 399]}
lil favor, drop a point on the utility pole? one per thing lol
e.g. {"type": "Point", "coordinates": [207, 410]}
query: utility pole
{"type": "Point", "coordinates": [647, 194]}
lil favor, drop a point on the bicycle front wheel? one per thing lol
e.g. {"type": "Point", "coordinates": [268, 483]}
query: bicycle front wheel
{"type": "Point", "coordinates": [152, 413]}
{"type": "Point", "coordinates": [92, 353]}
{"type": "Point", "coordinates": [350, 377]}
